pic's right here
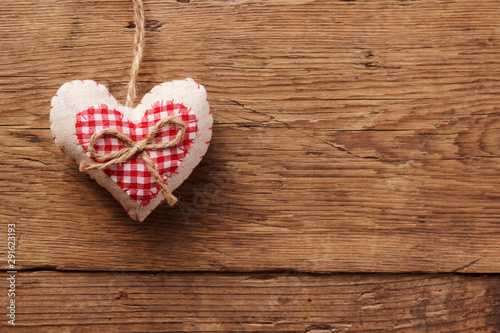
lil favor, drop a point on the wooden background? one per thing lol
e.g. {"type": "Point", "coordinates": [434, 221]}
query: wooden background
{"type": "Point", "coordinates": [352, 183]}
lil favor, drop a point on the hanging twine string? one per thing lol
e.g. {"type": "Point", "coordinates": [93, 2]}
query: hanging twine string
{"type": "Point", "coordinates": [138, 47]}
{"type": "Point", "coordinates": [136, 147]}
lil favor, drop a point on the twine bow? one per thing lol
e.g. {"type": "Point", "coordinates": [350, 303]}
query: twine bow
{"type": "Point", "coordinates": [136, 147]}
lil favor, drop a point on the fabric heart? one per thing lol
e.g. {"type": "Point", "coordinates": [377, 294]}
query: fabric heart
{"type": "Point", "coordinates": [83, 109]}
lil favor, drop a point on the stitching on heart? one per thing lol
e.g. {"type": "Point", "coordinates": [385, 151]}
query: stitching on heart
{"type": "Point", "coordinates": [132, 176]}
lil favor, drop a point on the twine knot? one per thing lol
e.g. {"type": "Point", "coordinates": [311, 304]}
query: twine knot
{"type": "Point", "coordinates": [139, 148]}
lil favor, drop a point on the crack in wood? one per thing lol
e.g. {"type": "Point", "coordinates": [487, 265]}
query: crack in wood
{"type": "Point", "coordinates": [347, 151]}
{"type": "Point", "coordinates": [460, 269]}
{"type": "Point", "coordinates": [271, 118]}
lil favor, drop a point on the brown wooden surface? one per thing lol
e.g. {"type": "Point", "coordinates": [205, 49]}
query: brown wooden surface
{"type": "Point", "coordinates": [349, 136]}
{"type": "Point", "coordinates": [208, 302]}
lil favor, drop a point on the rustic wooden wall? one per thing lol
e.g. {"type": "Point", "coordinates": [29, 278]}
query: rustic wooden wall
{"type": "Point", "coordinates": [350, 137]}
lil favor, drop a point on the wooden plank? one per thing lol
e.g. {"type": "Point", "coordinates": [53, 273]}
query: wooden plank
{"type": "Point", "coordinates": [356, 136]}
{"type": "Point", "coordinates": [268, 302]}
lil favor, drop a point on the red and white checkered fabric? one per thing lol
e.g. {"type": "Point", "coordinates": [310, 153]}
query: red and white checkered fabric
{"type": "Point", "coordinates": [133, 176]}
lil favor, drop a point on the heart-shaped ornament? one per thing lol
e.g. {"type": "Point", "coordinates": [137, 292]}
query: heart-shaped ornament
{"type": "Point", "coordinates": [140, 154]}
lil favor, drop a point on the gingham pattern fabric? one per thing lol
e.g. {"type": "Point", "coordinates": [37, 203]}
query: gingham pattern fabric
{"type": "Point", "coordinates": [132, 176]}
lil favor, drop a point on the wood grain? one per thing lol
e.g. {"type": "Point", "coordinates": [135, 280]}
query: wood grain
{"type": "Point", "coordinates": [353, 136]}
{"type": "Point", "coordinates": [271, 302]}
